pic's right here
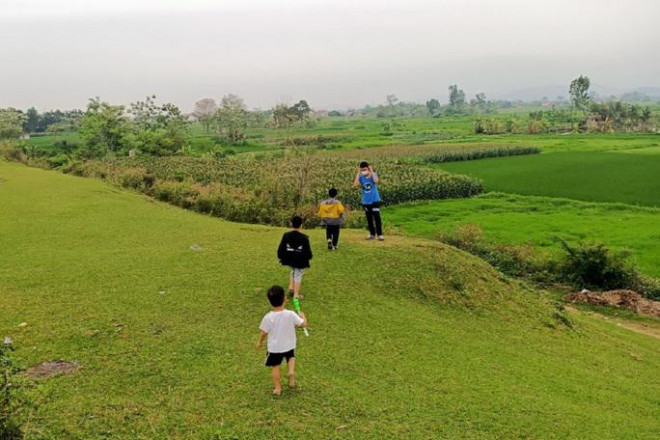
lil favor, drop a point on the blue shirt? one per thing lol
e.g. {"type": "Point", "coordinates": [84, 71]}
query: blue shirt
{"type": "Point", "coordinates": [370, 193]}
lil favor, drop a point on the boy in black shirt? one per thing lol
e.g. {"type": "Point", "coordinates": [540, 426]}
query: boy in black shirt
{"type": "Point", "coordinates": [294, 251]}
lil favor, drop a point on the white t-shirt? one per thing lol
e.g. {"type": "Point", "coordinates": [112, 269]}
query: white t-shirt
{"type": "Point", "coordinates": [281, 329]}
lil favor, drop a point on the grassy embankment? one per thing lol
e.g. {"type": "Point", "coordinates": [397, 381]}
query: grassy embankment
{"type": "Point", "coordinates": [409, 337]}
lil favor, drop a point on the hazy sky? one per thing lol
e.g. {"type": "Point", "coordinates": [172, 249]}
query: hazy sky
{"type": "Point", "coordinates": [334, 53]}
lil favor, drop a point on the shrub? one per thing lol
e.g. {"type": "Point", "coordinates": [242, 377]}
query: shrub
{"type": "Point", "coordinates": [488, 126]}
{"type": "Point", "coordinates": [10, 401]}
{"type": "Point", "coordinates": [512, 260]}
{"type": "Point", "coordinates": [537, 126]}
{"type": "Point", "coordinates": [177, 193]}
{"type": "Point", "coordinates": [11, 152]}
{"type": "Point", "coordinates": [58, 161]}
{"type": "Point", "coordinates": [649, 287]}
{"type": "Point", "coordinates": [596, 266]}
{"type": "Point", "coordinates": [134, 178]}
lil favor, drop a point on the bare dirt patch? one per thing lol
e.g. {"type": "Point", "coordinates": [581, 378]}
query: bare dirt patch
{"type": "Point", "coordinates": [49, 369]}
{"type": "Point", "coordinates": [626, 299]}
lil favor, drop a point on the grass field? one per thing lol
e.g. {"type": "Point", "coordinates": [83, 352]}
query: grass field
{"type": "Point", "coordinates": [589, 176]}
{"type": "Point", "coordinates": [409, 338]}
{"type": "Point", "coordinates": [509, 218]}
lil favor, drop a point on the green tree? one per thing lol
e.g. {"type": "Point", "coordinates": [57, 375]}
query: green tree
{"type": "Point", "coordinates": [204, 112]}
{"type": "Point", "coordinates": [232, 117]}
{"type": "Point", "coordinates": [456, 100]}
{"type": "Point", "coordinates": [104, 128]}
{"type": "Point", "coordinates": [433, 106]}
{"type": "Point", "coordinates": [300, 110]}
{"type": "Point", "coordinates": [481, 104]}
{"type": "Point", "coordinates": [11, 123]}
{"type": "Point", "coordinates": [158, 129]}
{"type": "Point", "coordinates": [579, 93]}
{"type": "Point", "coordinates": [32, 121]}
{"type": "Point", "coordinates": [282, 117]}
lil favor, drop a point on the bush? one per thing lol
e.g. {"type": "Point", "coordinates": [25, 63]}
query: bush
{"type": "Point", "coordinates": [488, 126]}
{"type": "Point", "coordinates": [649, 287]}
{"type": "Point", "coordinates": [512, 260]}
{"type": "Point", "coordinates": [177, 193]}
{"type": "Point", "coordinates": [135, 178]}
{"type": "Point", "coordinates": [536, 126]}
{"type": "Point", "coordinates": [11, 152]}
{"type": "Point", "coordinates": [596, 266]}
{"type": "Point", "coordinates": [10, 402]}
{"type": "Point", "coordinates": [58, 161]}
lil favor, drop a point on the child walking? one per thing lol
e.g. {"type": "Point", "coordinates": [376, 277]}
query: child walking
{"type": "Point", "coordinates": [294, 251]}
{"type": "Point", "coordinates": [279, 325]}
{"type": "Point", "coordinates": [331, 212]}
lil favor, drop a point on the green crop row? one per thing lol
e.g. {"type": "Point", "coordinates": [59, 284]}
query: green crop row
{"type": "Point", "coordinates": [440, 153]}
{"type": "Point", "coordinates": [270, 189]}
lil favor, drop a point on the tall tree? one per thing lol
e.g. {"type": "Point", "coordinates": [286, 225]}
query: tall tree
{"type": "Point", "coordinates": [433, 106]}
{"type": "Point", "coordinates": [103, 129]}
{"type": "Point", "coordinates": [300, 110]}
{"type": "Point", "coordinates": [11, 123]}
{"type": "Point", "coordinates": [579, 93]}
{"type": "Point", "coordinates": [456, 99]}
{"type": "Point", "coordinates": [232, 117]}
{"type": "Point", "coordinates": [204, 112]}
{"type": "Point", "coordinates": [159, 129]}
{"type": "Point", "coordinates": [282, 116]}
{"type": "Point", "coordinates": [32, 121]}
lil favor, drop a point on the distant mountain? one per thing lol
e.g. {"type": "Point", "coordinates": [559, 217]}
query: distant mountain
{"type": "Point", "coordinates": [552, 92]}
{"type": "Point", "coordinates": [535, 93]}
{"type": "Point", "coordinates": [653, 92]}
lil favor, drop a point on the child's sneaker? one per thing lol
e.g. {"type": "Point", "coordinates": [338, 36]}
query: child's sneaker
{"type": "Point", "coordinates": [381, 238]}
{"type": "Point", "coordinates": [370, 237]}
{"type": "Point", "coordinates": [329, 245]}
{"type": "Point", "coordinates": [334, 248]}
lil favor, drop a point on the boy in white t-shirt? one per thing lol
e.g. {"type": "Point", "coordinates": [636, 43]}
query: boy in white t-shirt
{"type": "Point", "coordinates": [280, 327]}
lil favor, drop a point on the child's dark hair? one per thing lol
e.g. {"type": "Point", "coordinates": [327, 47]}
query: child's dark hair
{"type": "Point", "coordinates": [296, 221]}
{"type": "Point", "coordinates": [364, 164]}
{"type": "Point", "coordinates": [275, 296]}
{"type": "Point", "coordinates": [332, 192]}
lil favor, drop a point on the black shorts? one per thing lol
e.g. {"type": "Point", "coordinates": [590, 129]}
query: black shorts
{"type": "Point", "coordinates": [275, 359]}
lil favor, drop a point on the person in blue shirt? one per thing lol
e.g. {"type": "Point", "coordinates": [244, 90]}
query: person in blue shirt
{"type": "Point", "coordinates": [368, 180]}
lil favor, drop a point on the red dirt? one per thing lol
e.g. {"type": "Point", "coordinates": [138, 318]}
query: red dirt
{"type": "Point", "coordinates": [618, 298]}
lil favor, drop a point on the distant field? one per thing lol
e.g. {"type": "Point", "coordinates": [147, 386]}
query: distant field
{"type": "Point", "coordinates": [589, 176]}
{"type": "Point", "coordinates": [508, 218]}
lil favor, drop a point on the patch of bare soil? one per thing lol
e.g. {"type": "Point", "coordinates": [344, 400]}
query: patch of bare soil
{"type": "Point", "coordinates": [618, 298]}
{"type": "Point", "coordinates": [48, 369]}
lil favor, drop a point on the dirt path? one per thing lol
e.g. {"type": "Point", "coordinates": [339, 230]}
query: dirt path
{"type": "Point", "coordinates": [652, 330]}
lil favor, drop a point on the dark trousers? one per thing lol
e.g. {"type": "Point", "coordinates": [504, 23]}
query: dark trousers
{"type": "Point", "coordinates": [374, 223]}
{"type": "Point", "coordinates": [332, 234]}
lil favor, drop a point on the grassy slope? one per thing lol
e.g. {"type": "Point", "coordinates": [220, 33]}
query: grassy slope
{"type": "Point", "coordinates": [589, 176]}
{"type": "Point", "coordinates": [509, 218]}
{"type": "Point", "coordinates": [409, 338]}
